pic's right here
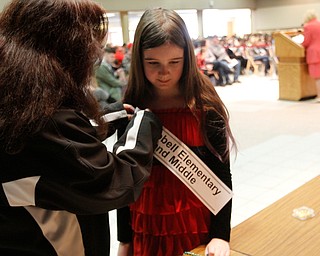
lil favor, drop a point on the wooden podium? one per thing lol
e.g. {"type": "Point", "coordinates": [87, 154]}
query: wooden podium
{"type": "Point", "coordinates": [294, 80]}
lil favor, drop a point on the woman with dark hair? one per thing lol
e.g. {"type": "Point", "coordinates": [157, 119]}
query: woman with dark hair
{"type": "Point", "coordinates": [168, 219]}
{"type": "Point", "coordinates": [58, 181]}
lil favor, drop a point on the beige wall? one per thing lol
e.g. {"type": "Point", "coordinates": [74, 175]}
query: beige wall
{"type": "Point", "coordinates": [137, 5]}
{"type": "Point", "coordinates": [176, 4]}
{"type": "Point", "coordinates": [289, 14]}
{"type": "Point", "coordinates": [267, 14]}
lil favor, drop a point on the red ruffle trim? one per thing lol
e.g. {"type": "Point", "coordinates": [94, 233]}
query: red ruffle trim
{"type": "Point", "coordinates": [168, 218]}
{"type": "Point", "coordinates": [144, 245]}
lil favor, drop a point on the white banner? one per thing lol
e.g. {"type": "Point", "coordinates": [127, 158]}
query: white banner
{"type": "Point", "coordinates": [187, 166]}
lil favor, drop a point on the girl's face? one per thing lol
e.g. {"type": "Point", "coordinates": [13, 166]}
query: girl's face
{"type": "Point", "coordinates": [163, 66]}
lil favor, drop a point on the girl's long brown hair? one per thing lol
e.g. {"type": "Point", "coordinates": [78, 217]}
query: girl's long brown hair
{"type": "Point", "coordinates": [48, 49]}
{"type": "Point", "coordinates": [159, 26]}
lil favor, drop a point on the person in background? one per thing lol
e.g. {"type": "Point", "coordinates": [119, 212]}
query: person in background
{"type": "Point", "coordinates": [119, 54]}
{"type": "Point", "coordinates": [260, 53]}
{"type": "Point", "coordinates": [236, 50]}
{"type": "Point", "coordinates": [312, 44]}
{"type": "Point", "coordinates": [208, 69]}
{"type": "Point", "coordinates": [168, 219]}
{"type": "Point", "coordinates": [219, 52]}
{"type": "Point", "coordinates": [58, 181]}
{"type": "Point", "coordinates": [127, 59]}
{"type": "Point", "coordinates": [111, 76]}
{"type": "Point", "coordinates": [212, 64]}
{"type": "Point", "coordinates": [102, 96]}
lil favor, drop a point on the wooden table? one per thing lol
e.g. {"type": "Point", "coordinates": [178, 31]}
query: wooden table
{"type": "Point", "coordinates": [274, 231]}
{"type": "Point", "coordinates": [200, 251]}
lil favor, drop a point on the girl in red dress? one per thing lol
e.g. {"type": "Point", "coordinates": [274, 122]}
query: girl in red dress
{"type": "Point", "coordinates": [168, 219]}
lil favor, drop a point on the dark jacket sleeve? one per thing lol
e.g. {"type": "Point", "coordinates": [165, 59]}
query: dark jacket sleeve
{"type": "Point", "coordinates": [220, 223]}
{"type": "Point", "coordinates": [75, 171]}
{"type": "Point", "coordinates": [117, 118]}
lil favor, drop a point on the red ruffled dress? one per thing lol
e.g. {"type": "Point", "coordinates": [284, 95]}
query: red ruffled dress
{"type": "Point", "coordinates": [168, 219]}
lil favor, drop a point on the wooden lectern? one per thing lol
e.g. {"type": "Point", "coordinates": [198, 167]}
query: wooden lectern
{"type": "Point", "coordinates": [294, 80]}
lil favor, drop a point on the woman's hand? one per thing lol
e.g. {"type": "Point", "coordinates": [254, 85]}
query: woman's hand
{"type": "Point", "coordinates": [217, 247]}
{"type": "Point", "coordinates": [130, 110]}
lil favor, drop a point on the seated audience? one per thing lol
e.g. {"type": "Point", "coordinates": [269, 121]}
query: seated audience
{"type": "Point", "coordinates": [110, 76]}
{"type": "Point", "coordinates": [217, 51]}
{"type": "Point", "coordinates": [260, 54]}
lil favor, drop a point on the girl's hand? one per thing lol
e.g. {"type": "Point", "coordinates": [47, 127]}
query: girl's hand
{"type": "Point", "coordinates": [125, 249]}
{"type": "Point", "coordinates": [218, 247]}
